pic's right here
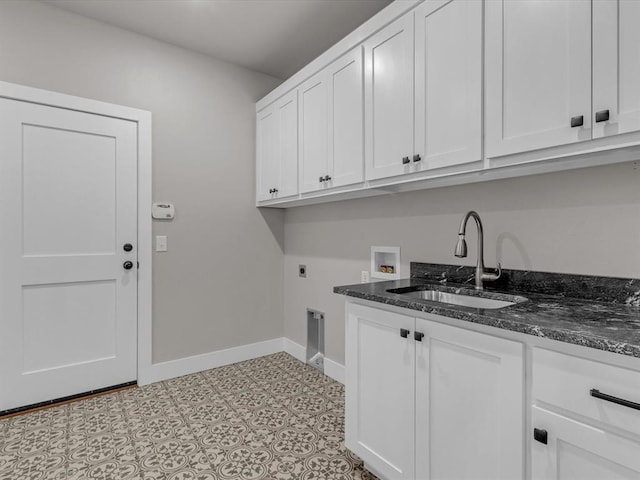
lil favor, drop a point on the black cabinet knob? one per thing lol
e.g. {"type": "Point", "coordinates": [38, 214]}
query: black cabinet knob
{"type": "Point", "coordinates": [540, 435]}
{"type": "Point", "coordinates": [405, 160]}
{"type": "Point", "coordinates": [418, 336]}
{"type": "Point", "coordinates": [127, 247]}
{"type": "Point", "coordinates": [404, 333]}
{"type": "Point", "coordinates": [128, 265]}
{"type": "Point", "coordinates": [417, 158]}
{"type": "Point", "coordinates": [577, 121]}
{"type": "Point", "coordinates": [602, 116]}
{"type": "Point", "coordinates": [321, 179]}
{"type": "Point", "coordinates": [327, 178]}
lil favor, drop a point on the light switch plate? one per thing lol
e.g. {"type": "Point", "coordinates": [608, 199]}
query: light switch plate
{"type": "Point", "coordinates": [161, 243]}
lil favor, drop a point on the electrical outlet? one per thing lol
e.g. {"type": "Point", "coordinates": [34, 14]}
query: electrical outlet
{"type": "Point", "coordinates": [364, 276]}
{"type": "Point", "coordinates": [302, 271]}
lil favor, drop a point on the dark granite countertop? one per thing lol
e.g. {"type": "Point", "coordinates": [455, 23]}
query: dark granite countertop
{"type": "Point", "coordinates": [596, 312]}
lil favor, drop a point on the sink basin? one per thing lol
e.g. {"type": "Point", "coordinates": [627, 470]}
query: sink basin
{"type": "Point", "coordinates": [473, 301]}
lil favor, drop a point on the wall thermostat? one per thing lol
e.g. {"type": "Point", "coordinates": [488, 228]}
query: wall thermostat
{"type": "Point", "coordinates": [163, 211]}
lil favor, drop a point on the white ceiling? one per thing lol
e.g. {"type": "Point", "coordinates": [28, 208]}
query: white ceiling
{"type": "Point", "coordinates": [277, 37]}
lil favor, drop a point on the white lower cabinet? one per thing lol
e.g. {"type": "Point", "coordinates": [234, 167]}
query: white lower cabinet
{"type": "Point", "coordinates": [426, 400]}
{"type": "Point", "coordinates": [577, 451]}
{"type": "Point", "coordinates": [581, 429]}
{"type": "Point", "coordinates": [380, 390]}
{"type": "Point", "coordinates": [469, 405]}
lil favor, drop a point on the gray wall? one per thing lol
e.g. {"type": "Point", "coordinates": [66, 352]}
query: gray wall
{"type": "Point", "coordinates": [203, 160]}
{"type": "Point", "coordinates": [582, 221]}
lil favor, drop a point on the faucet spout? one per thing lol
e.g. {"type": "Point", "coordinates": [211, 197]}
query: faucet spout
{"type": "Point", "coordinates": [461, 250]}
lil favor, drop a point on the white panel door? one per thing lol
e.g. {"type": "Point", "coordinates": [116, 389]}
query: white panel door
{"type": "Point", "coordinates": [538, 74]}
{"type": "Point", "coordinates": [346, 119]}
{"type": "Point", "coordinates": [287, 111]}
{"type": "Point", "coordinates": [576, 451]}
{"type": "Point", "coordinates": [469, 410]}
{"type": "Point", "coordinates": [268, 164]}
{"type": "Point", "coordinates": [448, 83]}
{"type": "Point", "coordinates": [616, 66]}
{"type": "Point", "coordinates": [313, 134]}
{"type": "Point", "coordinates": [379, 408]}
{"type": "Point", "coordinates": [389, 99]}
{"type": "Point", "coordinates": [67, 304]}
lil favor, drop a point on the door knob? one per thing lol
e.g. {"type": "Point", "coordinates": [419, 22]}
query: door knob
{"type": "Point", "coordinates": [128, 265]}
{"type": "Point", "coordinates": [127, 247]}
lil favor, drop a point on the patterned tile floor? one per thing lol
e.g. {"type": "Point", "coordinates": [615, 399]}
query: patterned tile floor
{"type": "Point", "coordinates": [273, 417]}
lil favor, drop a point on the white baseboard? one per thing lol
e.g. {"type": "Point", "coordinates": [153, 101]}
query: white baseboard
{"type": "Point", "coordinates": [198, 363]}
{"type": "Point", "coordinates": [295, 349]}
{"type": "Point", "coordinates": [332, 369]}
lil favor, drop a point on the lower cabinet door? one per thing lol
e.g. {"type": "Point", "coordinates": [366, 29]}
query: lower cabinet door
{"type": "Point", "coordinates": [469, 405]}
{"type": "Point", "coordinates": [379, 404]}
{"type": "Point", "coordinates": [576, 451]}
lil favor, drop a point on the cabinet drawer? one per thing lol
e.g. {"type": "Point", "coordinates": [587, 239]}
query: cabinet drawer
{"type": "Point", "coordinates": [567, 382]}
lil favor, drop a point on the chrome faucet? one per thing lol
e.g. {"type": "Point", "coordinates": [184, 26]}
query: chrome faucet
{"type": "Point", "coordinates": [461, 250]}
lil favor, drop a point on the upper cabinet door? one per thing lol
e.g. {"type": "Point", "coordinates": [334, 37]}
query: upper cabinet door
{"type": "Point", "coordinates": [616, 67]}
{"type": "Point", "coordinates": [538, 74]}
{"type": "Point", "coordinates": [346, 119]}
{"type": "Point", "coordinates": [448, 96]}
{"type": "Point", "coordinates": [268, 166]}
{"type": "Point", "coordinates": [287, 109]}
{"type": "Point", "coordinates": [313, 133]}
{"type": "Point", "coordinates": [389, 99]}
{"type": "Point", "coordinates": [277, 149]}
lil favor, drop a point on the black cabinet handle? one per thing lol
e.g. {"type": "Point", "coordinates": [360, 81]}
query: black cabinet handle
{"type": "Point", "coordinates": [610, 398]}
{"type": "Point", "coordinates": [417, 158]}
{"type": "Point", "coordinates": [577, 121]}
{"type": "Point", "coordinates": [540, 435]}
{"type": "Point", "coordinates": [418, 336]}
{"type": "Point", "coordinates": [602, 116]}
{"type": "Point", "coordinates": [321, 179]}
{"type": "Point", "coordinates": [275, 190]}
{"type": "Point", "coordinates": [405, 160]}
{"type": "Point", "coordinates": [327, 178]}
{"type": "Point", "coordinates": [404, 333]}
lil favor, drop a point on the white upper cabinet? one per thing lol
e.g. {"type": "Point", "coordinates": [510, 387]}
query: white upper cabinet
{"type": "Point", "coordinates": [616, 67]}
{"type": "Point", "coordinates": [346, 119]}
{"type": "Point", "coordinates": [448, 83]}
{"type": "Point", "coordinates": [389, 62]}
{"type": "Point", "coordinates": [313, 133]}
{"type": "Point", "coordinates": [277, 148]}
{"type": "Point", "coordinates": [332, 125]}
{"type": "Point", "coordinates": [538, 74]}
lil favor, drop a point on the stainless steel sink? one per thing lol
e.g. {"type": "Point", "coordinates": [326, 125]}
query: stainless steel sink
{"type": "Point", "coordinates": [473, 301]}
